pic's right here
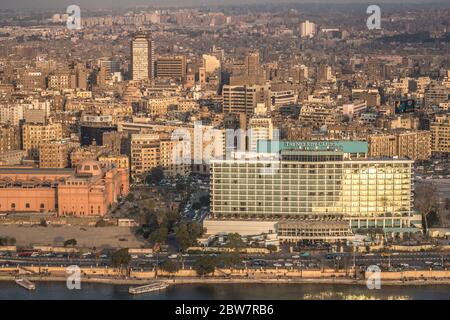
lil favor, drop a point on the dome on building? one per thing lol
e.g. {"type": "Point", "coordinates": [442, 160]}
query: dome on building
{"type": "Point", "coordinates": [89, 167]}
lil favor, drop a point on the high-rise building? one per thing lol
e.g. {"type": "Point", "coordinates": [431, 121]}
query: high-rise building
{"type": "Point", "coordinates": [324, 73]}
{"type": "Point", "coordinates": [93, 127]}
{"type": "Point", "coordinates": [414, 144]}
{"type": "Point", "coordinates": [435, 94]}
{"type": "Point", "coordinates": [11, 114]}
{"type": "Point", "coordinates": [244, 99]}
{"type": "Point", "coordinates": [60, 80]}
{"type": "Point", "coordinates": [54, 154]}
{"type": "Point", "coordinates": [109, 65]}
{"type": "Point", "coordinates": [144, 154]}
{"type": "Point", "coordinates": [172, 67]}
{"type": "Point", "coordinates": [440, 134]}
{"type": "Point", "coordinates": [210, 63]}
{"type": "Point", "coordinates": [260, 127]}
{"type": "Point", "coordinates": [9, 138]}
{"type": "Point", "coordinates": [307, 29]}
{"type": "Point", "coordinates": [311, 190]}
{"type": "Point", "coordinates": [31, 80]}
{"type": "Point", "coordinates": [301, 73]}
{"type": "Point", "coordinates": [253, 64]}
{"type": "Point", "coordinates": [149, 151]}
{"type": "Point", "coordinates": [33, 135]}
{"type": "Point", "coordinates": [142, 57]}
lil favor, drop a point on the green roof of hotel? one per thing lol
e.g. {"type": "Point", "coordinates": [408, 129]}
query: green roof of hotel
{"type": "Point", "coordinates": [271, 146]}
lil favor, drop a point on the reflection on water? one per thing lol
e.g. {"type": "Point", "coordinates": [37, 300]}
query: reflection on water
{"type": "Point", "coordinates": [59, 291]}
{"type": "Point", "coordinates": [332, 295]}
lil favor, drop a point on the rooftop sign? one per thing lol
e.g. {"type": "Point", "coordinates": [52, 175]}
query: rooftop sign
{"type": "Point", "coordinates": [267, 146]}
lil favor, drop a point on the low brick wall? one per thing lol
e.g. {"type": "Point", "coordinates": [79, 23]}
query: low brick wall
{"type": "Point", "coordinates": [235, 273]}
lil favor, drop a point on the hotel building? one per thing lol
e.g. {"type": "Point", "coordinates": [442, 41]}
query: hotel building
{"type": "Point", "coordinates": [327, 190]}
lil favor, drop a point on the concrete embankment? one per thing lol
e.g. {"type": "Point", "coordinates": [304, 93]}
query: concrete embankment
{"type": "Point", "coordinates": [114, 276]}
{"type": "Point", "coordinates": [181, 281]}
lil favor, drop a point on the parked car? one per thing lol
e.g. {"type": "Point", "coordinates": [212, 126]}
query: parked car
{"type": "Point", "coordinates": [277, 265]}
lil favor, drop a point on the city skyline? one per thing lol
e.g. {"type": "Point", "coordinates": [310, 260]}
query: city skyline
{"type": "Point", "coordinates": [110, 4]}
{"type": "Point", "coordinates": [163, 152]}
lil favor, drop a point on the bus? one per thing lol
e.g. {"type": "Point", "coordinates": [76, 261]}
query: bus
{"type": "Point", "coordinates": [25, 252]}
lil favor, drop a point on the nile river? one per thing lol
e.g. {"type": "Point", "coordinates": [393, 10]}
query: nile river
{"type": "Point", "coordinates": [58, 290]}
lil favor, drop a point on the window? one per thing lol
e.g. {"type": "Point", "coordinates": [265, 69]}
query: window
{"type": "Point", "coordinates": [42, 206]}
{"type": "Point", "coordinates": [27, 205]}
{"type": "Point", "coordinates": [13, 205]}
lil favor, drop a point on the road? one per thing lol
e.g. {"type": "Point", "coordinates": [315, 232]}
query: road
{"type": "Point", "coordinates": [398, 261]}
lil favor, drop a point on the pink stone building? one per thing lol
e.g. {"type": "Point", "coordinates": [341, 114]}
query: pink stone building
{"type": "Point", "coordinates": [89, 190]}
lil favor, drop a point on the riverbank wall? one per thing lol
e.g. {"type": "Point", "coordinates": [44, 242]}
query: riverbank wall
{"type": "Point", "coordinates": [262, 275]}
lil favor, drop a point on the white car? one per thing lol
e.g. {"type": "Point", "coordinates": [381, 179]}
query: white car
{"type": "Point", "coordinates": [428, 262]}
{"type": "Point", "coordinates": [404, 265]}
{"type": "Point", "coordinates": [134, 256]}
{"type": "Point", "coordinates": [295, 257]}
{"type": "Point", "coordinates": [149, 255]}
{"type": "Point", "coordinates": [173, 256]}
{"type": "Point", "coordinates": [277, 265]}
{"type": "Point", "coordinates": [288, 264]}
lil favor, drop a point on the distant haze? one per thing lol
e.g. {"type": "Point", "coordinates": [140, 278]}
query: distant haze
{"type": "Point", "coordinates": [50, 4]}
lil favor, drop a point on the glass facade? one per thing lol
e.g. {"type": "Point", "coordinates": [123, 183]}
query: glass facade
{"type": "Point", "coordinates": [300, 187]}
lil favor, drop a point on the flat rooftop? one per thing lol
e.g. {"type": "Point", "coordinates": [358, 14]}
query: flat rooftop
{"type": "Point", "coordinates": [22, 170]}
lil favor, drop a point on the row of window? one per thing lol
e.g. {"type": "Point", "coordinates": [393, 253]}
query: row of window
{"type": "Point", "coordinates": [27, 206]}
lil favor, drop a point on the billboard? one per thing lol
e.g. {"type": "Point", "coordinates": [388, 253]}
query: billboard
{"type": "Point", "coordinates": [405, 106]}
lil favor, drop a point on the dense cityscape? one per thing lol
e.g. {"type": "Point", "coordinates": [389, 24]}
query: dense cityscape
{"type": "Point", "coordinates": [258, 143]}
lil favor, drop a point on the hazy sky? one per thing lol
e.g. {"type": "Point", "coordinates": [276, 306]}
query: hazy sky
{"type": "Point", "coordinates": [46, 4]}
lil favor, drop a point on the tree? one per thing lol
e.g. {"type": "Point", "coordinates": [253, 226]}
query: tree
{"type": "Point", "coordinates": [170, 266]}
{"type": "Point", "coordinates": [130, 197]}
{"type": "Point", "coordinates": [235, 241]}
{"type": "Point", "coordinates": [205, 265]}
{"type": "Point", "coordinates": [70, 242]}
{"type": "Point", "coordinates": [7, 241]}
{"type": "Point", "coordinates": [204, 200]}
{"type": "Point", "coordinates": [426, 200]}
{"type": "Point", "coordinates": [187, 234]}
{"type": "Point", "coordinates": [102, 223]}
{"type": "Point", "coordinates": [182, 236]}
{"type": "Point", "coordinates": [121, 258]}
{"type": "Point", "coordinates": [272, 248]}
{"type": "Point", "coordinates": [155, 176]}
{"type": "Point", "coordinates": [180, 186]}
{"type": "Point", "coordinates": [231, 259]}
{"type": "Point", "coordinates": [159, 235]}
